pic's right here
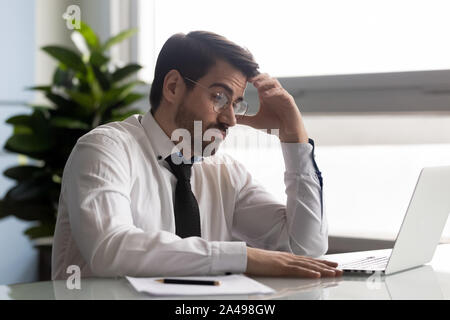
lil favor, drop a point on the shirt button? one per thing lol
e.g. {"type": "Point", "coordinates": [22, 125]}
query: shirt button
{"type": "Point", "coordinates": [159, 157]}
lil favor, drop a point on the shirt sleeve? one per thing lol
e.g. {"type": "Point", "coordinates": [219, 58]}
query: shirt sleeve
{"type": "Point", "coordinates": [300, 225]}
{"type": "Point", "coordinates": [97, 184]}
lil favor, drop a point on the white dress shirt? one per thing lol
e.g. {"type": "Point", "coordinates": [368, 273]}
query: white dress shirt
{"type": "Point", "coordinates": [116, 215]}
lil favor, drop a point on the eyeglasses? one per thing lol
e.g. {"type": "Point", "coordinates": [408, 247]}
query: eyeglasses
{"type": "Point", "coordinates": [222, 100]}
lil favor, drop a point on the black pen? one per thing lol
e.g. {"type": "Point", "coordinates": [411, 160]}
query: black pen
{"type": "Point", "coordinates": [186, 281]}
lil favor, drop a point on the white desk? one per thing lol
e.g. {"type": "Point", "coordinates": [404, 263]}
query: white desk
{"type": "Point", "coordinates": [427, 282]}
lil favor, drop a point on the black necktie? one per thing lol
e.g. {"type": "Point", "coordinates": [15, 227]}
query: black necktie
{"type": "Point", "coordinates": [187, 213]}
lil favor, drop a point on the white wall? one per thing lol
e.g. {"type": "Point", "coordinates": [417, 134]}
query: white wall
{"type": "Point", "coordinates": [18, 258]}
{"type": "Point", "coordinates": [26, 26]}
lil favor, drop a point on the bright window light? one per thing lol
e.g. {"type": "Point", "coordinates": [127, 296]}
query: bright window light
{"type": "Point", "coordinates": [367, 188]}
{"type": "Point", "coordinates": [303, 38]}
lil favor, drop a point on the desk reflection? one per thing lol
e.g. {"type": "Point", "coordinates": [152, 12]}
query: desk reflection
{"type": "Point", "coordinates": [297, 289]}
{"type": "Point", "coordinates": [418, 283]}
{"type": "Point", "coordinates": [414, 284]}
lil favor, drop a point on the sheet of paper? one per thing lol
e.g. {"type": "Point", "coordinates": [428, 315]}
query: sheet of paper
{"type": "Point", "coordinates": [231, 284]}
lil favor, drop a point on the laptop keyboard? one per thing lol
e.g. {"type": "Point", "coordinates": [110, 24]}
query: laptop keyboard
{"type": "Point", "coordinates": [368, 263]}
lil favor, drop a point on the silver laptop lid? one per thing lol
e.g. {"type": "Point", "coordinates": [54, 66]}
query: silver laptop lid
{"type": "Point", "coordinates": [424, 221]}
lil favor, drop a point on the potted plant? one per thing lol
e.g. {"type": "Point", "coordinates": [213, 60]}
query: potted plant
{"type": "Point", "coordinates": [87, 90]}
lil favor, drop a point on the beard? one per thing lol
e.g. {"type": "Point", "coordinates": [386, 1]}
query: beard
{"type": "Point", "coordinates": [185, 119]}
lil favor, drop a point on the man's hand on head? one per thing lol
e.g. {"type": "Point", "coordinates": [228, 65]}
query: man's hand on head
{"type": "Point", "coordinates": [278, 110]}
{"type": "Point", "coordinates": [283, 264]}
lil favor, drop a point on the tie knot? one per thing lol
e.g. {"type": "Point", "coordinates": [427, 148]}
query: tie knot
{"type": "Point", "coordinates": [182, 170]}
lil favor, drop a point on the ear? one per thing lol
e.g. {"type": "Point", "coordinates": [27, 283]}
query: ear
{"type": "Point", "coordinates": [173, 86]}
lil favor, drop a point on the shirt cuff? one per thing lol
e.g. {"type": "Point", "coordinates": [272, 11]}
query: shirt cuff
{"type": "Point", "coordinates": [298, 157]}
{"type": "Point", "coordinates": [228, 256]}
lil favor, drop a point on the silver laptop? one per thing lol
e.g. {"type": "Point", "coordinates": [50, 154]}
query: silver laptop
{"type": "Point", "coordinates": [419, 233]}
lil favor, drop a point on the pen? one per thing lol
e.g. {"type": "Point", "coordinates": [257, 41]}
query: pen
{"type": "Point", "coordinates": [186, 281]}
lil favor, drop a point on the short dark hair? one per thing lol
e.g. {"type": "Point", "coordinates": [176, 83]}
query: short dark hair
{"type": "Point", "coordinates": [193, 55]}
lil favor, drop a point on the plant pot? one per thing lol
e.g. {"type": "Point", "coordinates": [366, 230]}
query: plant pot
{"type": "Point", "coordinates": [44, 247]}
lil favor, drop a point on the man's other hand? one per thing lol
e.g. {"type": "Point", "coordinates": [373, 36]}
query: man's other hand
{"type": "Point", "coordinates": [276, 263]}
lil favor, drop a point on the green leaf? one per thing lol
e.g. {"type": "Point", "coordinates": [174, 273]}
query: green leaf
{"type": "Point", "coordinates": [119, 116]}
{"type": "Point", "coordinates": [43, 230]}
{"type": "Point", "coordinates": [83, 99]}
{"type": "Point", "coordinates": [97, 59]}
{"type": "Point", "coordinates": [89, 35]}
{"type": "Point", "coordinates": [66, 56]}
{"type": "Point", "coordinates": [4, 212]}
{"type": "Point", "coordinates": [34, 127]}
{"type": "Point", "coordinates": [63, 78]}
{"type": "Point", "coordinates": [27, 143]}
{"type": "Point", "coordinates": [20, 120]}
{"type": "Point", "coordinates": [118, 38]}
{"type": "Point", "coordinates": [22, 130]}
{"type": "Point", "coordinates": [39, 106]}
{"type": "Point", "coordinates": [117, 94]}
{"type": "Point", "coordinates": [36, 120]}
{"type": "Point", "coordinates": [130, 99]}
{"type": "Point", "coordinates": [124, 72]}
{"type": "Point", "coordinates": [35, 189]}
{"type": "Point", "coordinates": [40, 124]}
{"type": "Point", "coordinates": [69, 123]}
{"type": "Point", "coordinates": [21, 173]}
{"type": "Point", "coordinates": [26, 211]}
{"type": "Point", "coordinates": [40, 88]}
{"type": "Point", "coordinates": [95, 87]}
{"type": "Point", "coordinates": [127, 101]}
{"type": "Point", "coordinates": [102, 78]}
{"type": "Point", "coordinates": [62, 104]}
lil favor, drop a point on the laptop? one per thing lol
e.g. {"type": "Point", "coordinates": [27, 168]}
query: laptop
{"type": "Point", "coordinates": [419, 233]}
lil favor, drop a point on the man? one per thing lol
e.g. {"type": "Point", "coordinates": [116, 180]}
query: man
{"type": "Point", "coordinates": [134, 203]}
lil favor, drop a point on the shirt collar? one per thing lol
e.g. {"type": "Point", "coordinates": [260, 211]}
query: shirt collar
{"type": "Point", "coordinates": [161, 143]}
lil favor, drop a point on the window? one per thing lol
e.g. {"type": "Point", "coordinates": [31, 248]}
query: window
{"type": "Point", "coordinates": [372, 79]}
{"type": "Point", "coordinates": [306, 38]}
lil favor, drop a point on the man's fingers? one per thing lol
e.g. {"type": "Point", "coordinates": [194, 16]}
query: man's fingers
{"type": "Point", "coordinates": [266, 84]}
{"type": "Point", "coordinates": [259, 77]}
{"type": "Point", "coordinates": [272, 92]}
{"type": "Point", "coordinates": [303, 272]}
{"type": "Point", "coordinates": [323, 266]}
{"type": "Point", "coordinates": [322, 269]}
{"type": "Point", "coordinates": [329, 263]}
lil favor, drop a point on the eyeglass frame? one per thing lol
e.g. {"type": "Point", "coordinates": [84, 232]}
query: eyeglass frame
{"type": "Point", "coordinates": [226, 104]}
